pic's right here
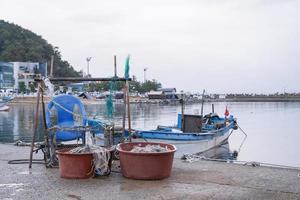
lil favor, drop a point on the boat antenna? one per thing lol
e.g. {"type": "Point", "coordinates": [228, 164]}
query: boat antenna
{"type": "Point", "coordinates": [202, 103]}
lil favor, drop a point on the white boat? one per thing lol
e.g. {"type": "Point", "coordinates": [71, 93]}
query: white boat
{"type": "Point", "coordinates": [3, 103]}
{"type": "Point", "coordinates": [4, 108]}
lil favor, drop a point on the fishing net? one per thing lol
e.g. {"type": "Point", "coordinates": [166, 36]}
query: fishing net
{"type": "Point", "coordinates": [112, 91]}
{"type": "Point", "coordinates": [109, 106]}
{"type": "Point", "coordinates": [101, 155]}
{"type": "Point", "coordinates": [126, 75]}
{"type": "Point", "coordinates": [150, 149]}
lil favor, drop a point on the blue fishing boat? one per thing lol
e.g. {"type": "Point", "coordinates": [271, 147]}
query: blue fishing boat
{"type": "Point", "coordinates": [203, 132]}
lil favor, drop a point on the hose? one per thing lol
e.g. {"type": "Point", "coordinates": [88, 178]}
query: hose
{"type": "Point", "coordinates": [26, 161]}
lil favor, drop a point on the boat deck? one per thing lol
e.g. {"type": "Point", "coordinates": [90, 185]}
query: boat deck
{"type": "Point", "coordinates": [199, 180]}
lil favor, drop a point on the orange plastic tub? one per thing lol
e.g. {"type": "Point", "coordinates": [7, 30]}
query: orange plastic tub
{"type": "Point", "coordinates": [145, 166]}
{"type": "Point", "coordinates": [75, 166]}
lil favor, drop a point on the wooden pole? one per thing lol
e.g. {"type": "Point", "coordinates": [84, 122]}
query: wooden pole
{"type": "Point", "coordinates": [46, 133]}
{"type": "Point", "coordinates": [128, 110]}
{"type": "Point", "coordinates": [79, 79]}
{"type": "Point", "coordinates": [43, 109]}
{"type": "Point", "coordinates": [51, 66]}
{"type": "Point", "coordinates": [124, 111]}
{"type": "Point", "coordinates": [36, 119]}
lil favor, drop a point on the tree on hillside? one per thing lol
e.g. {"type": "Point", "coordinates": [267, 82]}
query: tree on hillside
{"type": "Point", "coordinates": [19, 44]}
{"type": "Point", "coordinates": [150, 85]}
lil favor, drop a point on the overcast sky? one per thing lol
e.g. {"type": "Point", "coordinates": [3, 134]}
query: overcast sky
{"type": "Point", "coordinates": [218, 45]}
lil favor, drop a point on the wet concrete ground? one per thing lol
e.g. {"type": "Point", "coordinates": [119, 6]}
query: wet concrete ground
{"type": "Point", "coordinates": [199, 180]}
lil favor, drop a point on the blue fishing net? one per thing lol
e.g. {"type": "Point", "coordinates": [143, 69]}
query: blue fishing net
{"type": "Point", "coordinates": [109, 99]}
{"type": "Point", "coordinates": [126, 75]}
{"type": "Point", "coordinates": [112, 90]}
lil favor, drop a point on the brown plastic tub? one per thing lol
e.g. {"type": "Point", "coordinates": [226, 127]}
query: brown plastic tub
{"type": "Point", "coordinates": [75, 165]}
{"type": "Point", "coordinates": [145, 166]}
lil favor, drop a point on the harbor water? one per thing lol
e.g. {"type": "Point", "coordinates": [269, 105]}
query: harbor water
{"type": "Point", "coordinates": [272, 127]}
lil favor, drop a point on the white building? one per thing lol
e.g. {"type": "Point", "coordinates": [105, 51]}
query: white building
{"type": "Point", "coordinates": [27, 71]}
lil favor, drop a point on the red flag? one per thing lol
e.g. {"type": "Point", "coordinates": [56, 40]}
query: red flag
{"type": "Point", "coordinates": [226, 112]}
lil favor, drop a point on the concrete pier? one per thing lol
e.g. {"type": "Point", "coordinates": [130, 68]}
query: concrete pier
{"type": "Point", "coordinates": [198, 180]}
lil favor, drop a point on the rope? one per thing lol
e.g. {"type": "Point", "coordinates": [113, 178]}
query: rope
{"type": "Point", "coordinates": [243, 139]}
{"type": "Point", "coordinates": [26, 161]}
{"type": "Point", "coordinates": [68, 111]}
{"type": "Point", "coordinates": [101, 157]}
{"type": "Point", "coordinates": [190, 158]}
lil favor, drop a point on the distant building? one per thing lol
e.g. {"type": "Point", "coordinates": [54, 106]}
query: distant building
{"type": "Point", "coordinates": [6, 75]}
{"type": "Point", "coordinates": [163, 93]}
{"type": "Point", "coordinates": [170, 93]}
{"type": "Point", "coordinates": [76, 86]}
{"type": "Point", "coordinates": [27, 71]}
{"type": "Point", "coordinates": [119, 95]}
{"type": "Point", "coordinates": [222, 96]}
{"type": "Point", "coordinates": [156, 95]}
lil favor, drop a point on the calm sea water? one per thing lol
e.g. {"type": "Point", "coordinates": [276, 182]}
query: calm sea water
{"type": "Point", "coordinates": [273, 128]}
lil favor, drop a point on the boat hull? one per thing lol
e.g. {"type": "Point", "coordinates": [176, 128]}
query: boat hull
{"type": "Point", "coordinates": [4, 108]}
{"type": "Point", "coordinates": [188, 142]}
{"type": "Point", "coordinates": [195, 146]}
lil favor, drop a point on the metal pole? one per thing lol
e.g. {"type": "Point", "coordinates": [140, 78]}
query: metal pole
{"type": "Point", "coordinates": [51, 66]}
{"type": "Point", "coordinates": [213, 108]}
{"type": "Point", "coordinates": [35, 126]}
{"type": "Point", "coordinates": [115, 65]}
{"type": "Point", "coordinates": [145, 78]}
{"type": "Point", "coordinates": [88, 68]}
{"type": "Point", "coordinates": [88, 59]}
{"type": "Point", "coordinates": [202, 103]}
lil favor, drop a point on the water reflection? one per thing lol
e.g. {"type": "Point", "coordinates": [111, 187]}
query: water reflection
{"type": "Point", "coordinates": [272, 127]}
{"type": "Point", "coordinates": [17, 124]}
{"type": "Point", "coordinates": [222, 152]}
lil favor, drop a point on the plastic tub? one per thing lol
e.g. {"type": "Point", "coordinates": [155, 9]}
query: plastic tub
{"type": "Point", "coordinates": [145, 166]}
{"type": "Point", "coordinates": [75, 165]}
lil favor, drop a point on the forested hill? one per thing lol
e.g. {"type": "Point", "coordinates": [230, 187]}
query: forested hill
{"type": "Point", "coordinates": [22, 45]}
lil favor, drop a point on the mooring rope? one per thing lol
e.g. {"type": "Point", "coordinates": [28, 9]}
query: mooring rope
{"type": "Point", "coordinates": [190, 158]}
{"type": "Point", "coordinates": [243, 139]}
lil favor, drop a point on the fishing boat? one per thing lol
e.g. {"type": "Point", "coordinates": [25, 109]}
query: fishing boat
{"type": "Point", "coordinates": [193, 133]}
